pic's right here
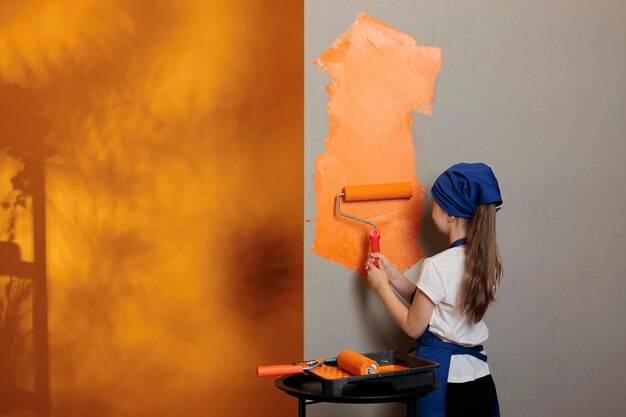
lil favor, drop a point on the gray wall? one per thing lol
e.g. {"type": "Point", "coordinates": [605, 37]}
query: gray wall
{"type": "Point", "coordinates": [537, 90]}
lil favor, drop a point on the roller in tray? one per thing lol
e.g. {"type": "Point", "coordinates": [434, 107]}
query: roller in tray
{"type": "Point", "coordinates": [401, 371]}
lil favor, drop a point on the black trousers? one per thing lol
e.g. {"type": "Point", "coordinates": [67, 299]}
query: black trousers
{"type": "Point", "coordinates": [472, 399]}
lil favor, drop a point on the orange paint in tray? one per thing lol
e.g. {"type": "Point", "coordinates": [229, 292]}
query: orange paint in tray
{"type": "Point", "coordinates": [335, 372]}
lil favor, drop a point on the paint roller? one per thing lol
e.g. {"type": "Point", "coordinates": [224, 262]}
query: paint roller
{"type": "Point", "coordinates": [376, 192]}
{"type": "Point", "coordinates": [348, 360]}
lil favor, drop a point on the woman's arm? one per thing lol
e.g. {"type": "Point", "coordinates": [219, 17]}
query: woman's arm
{"type": "Point", "coordinates": [398, 281]}
{"type": "Point", "coordinates": [414, 320]}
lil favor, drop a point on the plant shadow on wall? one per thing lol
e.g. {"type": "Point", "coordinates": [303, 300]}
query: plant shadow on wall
{"type": "Point", "coordinates": [23, 300]}
{"type": "Point", "coordinates": [173, 200]}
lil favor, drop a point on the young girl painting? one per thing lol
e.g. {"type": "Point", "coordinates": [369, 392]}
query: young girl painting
{"type": "Point", "coordinates": [454, 290]}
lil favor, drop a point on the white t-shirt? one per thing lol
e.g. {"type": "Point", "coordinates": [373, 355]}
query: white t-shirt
{"type": "Point", "coordinates": [440, 280]}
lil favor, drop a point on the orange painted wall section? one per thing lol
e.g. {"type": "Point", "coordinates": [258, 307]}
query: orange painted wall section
{"type": "Point", "coordinates": [174, 201]}
{"type": "Point", "coordinates": [379, 75]}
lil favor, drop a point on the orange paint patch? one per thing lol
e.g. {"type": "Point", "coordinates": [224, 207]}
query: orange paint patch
{"type": "Point", "coordinates": [331, 372]}
{"type": "Point", "coordinates": [391, 368]}
{"type": "Point", "coordinates": [379, 75]}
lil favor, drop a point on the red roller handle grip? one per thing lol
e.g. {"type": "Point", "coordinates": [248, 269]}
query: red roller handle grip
{"type": "Point", "coordinates": [278, 370]}
{"type": "Point", "coordinates": [375, 239]}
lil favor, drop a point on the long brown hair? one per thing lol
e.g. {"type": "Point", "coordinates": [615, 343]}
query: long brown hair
{"type": "Point", "coordinates": [483, 269]}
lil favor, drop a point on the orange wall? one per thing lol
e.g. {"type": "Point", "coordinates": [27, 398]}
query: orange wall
{"type": "Point", "coordinates": [174, 199]}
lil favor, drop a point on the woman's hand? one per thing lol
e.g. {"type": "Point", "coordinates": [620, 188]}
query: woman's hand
{"type": "Point", "coordinates": [385, 264]}
{"type": "Point", "coordinates": [376, 275]}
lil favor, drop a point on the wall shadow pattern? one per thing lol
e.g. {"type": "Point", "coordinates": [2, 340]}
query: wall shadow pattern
{"type": "Point", "coordinates": [173, 160]}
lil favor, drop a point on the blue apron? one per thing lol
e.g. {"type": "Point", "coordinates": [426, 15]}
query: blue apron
{"type": "Point", "coordinates": [430, 347]}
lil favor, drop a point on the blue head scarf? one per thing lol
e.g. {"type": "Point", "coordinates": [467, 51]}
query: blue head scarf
{"type": "Point", "coordinates": [463, 187]}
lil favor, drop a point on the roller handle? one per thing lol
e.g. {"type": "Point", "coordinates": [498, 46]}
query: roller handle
{"type": "Point", "coordinates": [278, 370]}
{"type": "Point", "coordinates": [375, 239]}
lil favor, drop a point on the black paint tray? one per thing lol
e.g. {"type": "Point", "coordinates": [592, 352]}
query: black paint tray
{"type": "Point", "coordinates": [420, 373]}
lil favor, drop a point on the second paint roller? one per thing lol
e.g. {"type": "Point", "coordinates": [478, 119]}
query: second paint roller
{"type": "Point", "coordinates": [372, 193]}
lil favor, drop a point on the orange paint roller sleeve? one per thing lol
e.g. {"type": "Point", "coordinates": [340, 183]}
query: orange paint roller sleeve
{"type": "Point", "coordinates": [355, 363]}
{"type": "Point", "coordinates": [378, 192]}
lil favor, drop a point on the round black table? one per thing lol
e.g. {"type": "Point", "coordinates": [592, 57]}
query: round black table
{"type": "Point", "coordinates": [308, 390]}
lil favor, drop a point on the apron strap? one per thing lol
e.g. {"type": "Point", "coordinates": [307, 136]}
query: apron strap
{"type": "Point", "coordinates": [430, 339]}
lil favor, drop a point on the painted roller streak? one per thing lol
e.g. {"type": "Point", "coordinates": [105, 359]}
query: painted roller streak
{"type": "Point", "coordinates": [376, 192]}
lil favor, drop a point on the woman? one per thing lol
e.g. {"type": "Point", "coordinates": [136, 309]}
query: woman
{"type": "Point", "coordinates": [454, 290]}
